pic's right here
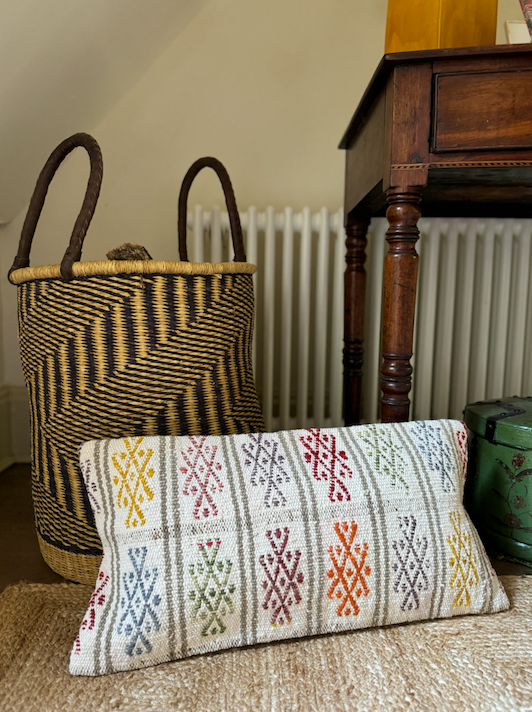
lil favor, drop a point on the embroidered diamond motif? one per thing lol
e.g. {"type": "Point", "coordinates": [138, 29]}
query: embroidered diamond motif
{"type": "Point", "coordinates": [139, 618]}
{"type": "Point", "coordinates": [463, 562]}
{"type": "Point", "coordinates": [90, 485]}
{"type": "Point", "coordinates": [202, 476]}
{"type": "Point", "coordinates": [461, 436]}
{"type": "Point", "coordinates": [349, 570]}
{"type": "Point", "coordinates": [411, 564]}
{"type": "Point", "coordinates": [327, 463]}
{"type": "Point", "coordinates": [437, 451]}
{"type": "Point", "coordinates": [97, 599]}
{"type": "Point", "coordinates": [132, 478]}
{"type": "Point", "coordinates": [266, 464]}
{"type": "Point", "coordinates": [386, 454]}
{"type": "Point", "coordinates": [282, 577]}
{"type": "Point", "coordinates": [212, 590]}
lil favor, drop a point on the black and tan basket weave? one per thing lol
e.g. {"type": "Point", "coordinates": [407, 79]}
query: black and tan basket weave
{"type": "Point", "coordinates": [121, 348]}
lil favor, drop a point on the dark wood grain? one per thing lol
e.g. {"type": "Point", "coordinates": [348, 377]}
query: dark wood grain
{"type": "Point", "coordinates": [483, 111]}
{"type": "Point", "coordinates": [355, 294]}
{"type": "Point", "coordinates": [457, 130]}
{"type": "Point", "coordinates": [399, 299]}
{"type": "Point", "coordinates": [449, 59]}
{"type": "Point", "coordinates": [499, 58]}
{"type": "Point", "coordinates": [364, 159]}
{"type": "Point", "coordinates": [480, 158]}
{"type": "Point", "coordinates": [409, 96]}
{"type": "Point", "coordinates": [407, 131]}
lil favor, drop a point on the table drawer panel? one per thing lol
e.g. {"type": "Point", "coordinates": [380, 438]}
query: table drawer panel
{"type": "Point", "coordinates": [482, 111]}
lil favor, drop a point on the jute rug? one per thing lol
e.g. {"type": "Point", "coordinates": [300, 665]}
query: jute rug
{"type": "Point", "coordinates": [472, 663]}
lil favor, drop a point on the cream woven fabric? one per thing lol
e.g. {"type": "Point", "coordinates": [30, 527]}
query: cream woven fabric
{"type": "Point", "coordinates": [223, 541]}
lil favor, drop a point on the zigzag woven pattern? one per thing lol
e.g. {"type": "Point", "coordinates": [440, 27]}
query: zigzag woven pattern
{"type": "Point", "coordinates": [127, 354]}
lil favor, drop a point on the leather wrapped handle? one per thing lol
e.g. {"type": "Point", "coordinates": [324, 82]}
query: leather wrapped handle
{"type": "Point", "coordinates": [234, 217]}
{"type": "Point", "coordinates": [73, 252]}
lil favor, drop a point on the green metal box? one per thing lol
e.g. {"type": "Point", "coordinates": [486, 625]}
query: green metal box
{"type": "Point", "coordinates": [498, 493]}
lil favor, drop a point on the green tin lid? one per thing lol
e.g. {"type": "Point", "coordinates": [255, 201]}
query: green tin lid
{"type": "Point", "coordinates": [507, 421]}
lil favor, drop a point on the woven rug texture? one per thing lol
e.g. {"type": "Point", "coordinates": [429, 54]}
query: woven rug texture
{"type": "Point", "coordinates": [477, 663]}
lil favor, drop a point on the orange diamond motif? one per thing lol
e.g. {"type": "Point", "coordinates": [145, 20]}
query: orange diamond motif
{"type": "Point", "coordinates": [349, 570]}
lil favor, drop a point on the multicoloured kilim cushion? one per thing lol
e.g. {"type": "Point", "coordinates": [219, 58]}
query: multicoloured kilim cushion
{"type": "Point", "coordinates": [221, 541]}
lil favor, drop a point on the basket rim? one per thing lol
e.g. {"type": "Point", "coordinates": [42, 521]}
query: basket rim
{"type": "Point", "coordinates": [107, 268]}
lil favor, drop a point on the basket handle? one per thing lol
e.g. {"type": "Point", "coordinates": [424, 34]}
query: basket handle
{"type": "Point", "coordinates": [73, 252]}
{"type": "Point", "coordinates": [234, 218]}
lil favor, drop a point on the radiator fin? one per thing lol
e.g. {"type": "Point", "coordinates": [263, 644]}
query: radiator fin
{"type": "Point", "coordinates": [473, 327]}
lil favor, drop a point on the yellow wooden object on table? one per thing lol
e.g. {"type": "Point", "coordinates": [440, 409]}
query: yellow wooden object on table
{"type": "Point", "coordinates": [436, 24]}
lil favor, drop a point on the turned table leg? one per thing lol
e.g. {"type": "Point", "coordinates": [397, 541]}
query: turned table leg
{"type": "Point", "coordinates": [400, 280]}
{"type": "Point", "coordinates": [354, 291]}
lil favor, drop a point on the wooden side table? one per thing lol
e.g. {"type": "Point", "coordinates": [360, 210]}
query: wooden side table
{"type": "Point", "coordinates": [451, 131]}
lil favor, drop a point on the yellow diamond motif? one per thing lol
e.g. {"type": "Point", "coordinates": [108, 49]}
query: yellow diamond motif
{"type": "Point", "coordinates": [463, 562]}
{"type": "Point", "coordinates": [133, 475]}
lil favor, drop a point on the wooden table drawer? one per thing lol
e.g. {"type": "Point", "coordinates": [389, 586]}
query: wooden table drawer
{"type": "Point", "coordinates": [482, 111]}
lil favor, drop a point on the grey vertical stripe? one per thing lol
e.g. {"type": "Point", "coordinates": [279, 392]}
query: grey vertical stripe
{"type": "Point", "coordinates": [165, 483]}
{"type": "Point", "coordinates": [99, 639]}
{"type": "Point", "coordinates": [113, 593]}
{"type": "Point", "coordinates": [246, 638]}
{"type": "Point", "coordinates": [381, 533]}
{"type": "Point", "coordinates": [486, 577]}
{"type": "Point", "coordinates": [433, 516]}
{"type": "Point", "coordinates": [451, 432]}
{"type": "Point", "coordinates": [176, 511]}
{"type": "Point", "coordinates": [115, 604]}
{"type": "Point", "coordinates": [314, 558]}
{"type": "Point", "coordinates": [249, 528]}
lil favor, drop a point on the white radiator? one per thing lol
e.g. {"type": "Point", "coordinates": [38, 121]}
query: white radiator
{"type": "Point", "coordinates": [473, 332]}
{"type": "Point", "coordinates": [297, 348]}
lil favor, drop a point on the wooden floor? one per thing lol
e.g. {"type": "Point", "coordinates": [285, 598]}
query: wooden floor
{"type": "Point", "coordinates": [20, 558]}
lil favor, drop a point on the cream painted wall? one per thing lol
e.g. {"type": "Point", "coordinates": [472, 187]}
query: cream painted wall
{"type": "Point", "coordinates": [6, 447]}
{"type": "Point", "coordinates": [64, 66]}
{"type": "Point", "coordinates": [266, 87]}
{"type": "Point", "coordinates": [507, 10]}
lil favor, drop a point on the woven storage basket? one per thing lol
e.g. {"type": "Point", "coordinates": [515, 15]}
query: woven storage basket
{"type": "Point", "coordinates": [120, 348]}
